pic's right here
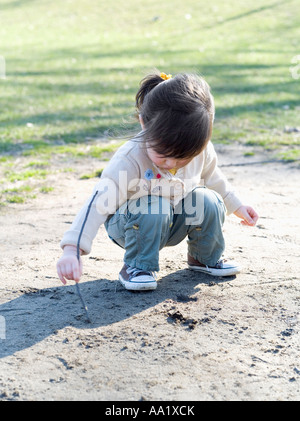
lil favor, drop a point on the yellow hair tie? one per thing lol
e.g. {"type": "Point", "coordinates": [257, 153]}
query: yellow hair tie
{"type": "Point", "coordinates": [165, 77]}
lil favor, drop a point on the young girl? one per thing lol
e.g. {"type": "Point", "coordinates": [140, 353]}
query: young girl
{"type": "Point", "coordinates": [160, 187]}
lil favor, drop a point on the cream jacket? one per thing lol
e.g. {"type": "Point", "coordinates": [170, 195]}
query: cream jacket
{"type": "Point", "coordinates": [130, 174]}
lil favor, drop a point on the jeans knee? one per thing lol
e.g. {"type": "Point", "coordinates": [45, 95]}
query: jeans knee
{"type": "Point", "coordinates": [152, 210]}
{"type": "Point", "coordinates": [203, 204]}
{"type": "Point", "coordinates": [213, 205]}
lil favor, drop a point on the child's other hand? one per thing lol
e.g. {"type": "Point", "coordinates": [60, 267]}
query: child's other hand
{"type": "Point", "coordinates": [247, 214]}
{"type": "Point", "coordinates": [68, 267]}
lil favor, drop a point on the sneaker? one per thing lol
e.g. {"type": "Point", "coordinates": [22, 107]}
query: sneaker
{"type": "Point", "coordinates": [223, 267]}
{"type": "Point", "coordinates": [135, 279]}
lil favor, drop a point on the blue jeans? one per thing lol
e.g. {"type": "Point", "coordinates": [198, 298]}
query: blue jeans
{"type": "Point", "coordinates": [144, 226]}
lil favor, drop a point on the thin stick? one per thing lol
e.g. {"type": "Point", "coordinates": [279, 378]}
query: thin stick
{"type": "Point", "coordinates": [83, 303]}
{"type": "Point", "coordinates": [78, 257]}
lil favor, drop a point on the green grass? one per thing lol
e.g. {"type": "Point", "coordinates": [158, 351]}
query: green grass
{"type": "Point", "coordinates": [73, 68]}
{"type": "Point", "coordinates": [16, 194]}
{"type": "Point", "coordinates": [24, 175]}
{"type": "Point", "coordinates": [46, 189]}
{"type": "Point", "coordinates": [93, 174]}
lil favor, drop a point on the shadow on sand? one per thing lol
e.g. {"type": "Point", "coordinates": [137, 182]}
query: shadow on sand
{"type": "Point", "coordinates": [39, 313]}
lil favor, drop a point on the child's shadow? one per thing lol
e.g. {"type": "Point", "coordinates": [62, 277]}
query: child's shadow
{"type": "Point", "coordinates": [37, 314]}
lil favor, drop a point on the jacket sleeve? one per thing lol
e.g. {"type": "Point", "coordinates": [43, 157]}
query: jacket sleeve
{"type": "Point", "coordinates": [112, 192]}
{"type": "Point", "coordinates": [215, 179]}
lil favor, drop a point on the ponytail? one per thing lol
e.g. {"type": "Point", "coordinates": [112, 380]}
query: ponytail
{"type": "Point", "coordinates": [147, 84]}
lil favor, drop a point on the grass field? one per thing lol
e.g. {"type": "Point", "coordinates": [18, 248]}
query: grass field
{"type": "Point", "coordinates": [73, 68]}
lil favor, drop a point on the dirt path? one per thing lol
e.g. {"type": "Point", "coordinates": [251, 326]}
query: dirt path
{"type": "Point", "coordinates": [194, 338]}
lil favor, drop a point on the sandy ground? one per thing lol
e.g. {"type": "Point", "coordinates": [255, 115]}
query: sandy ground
{"type": "Point", "coordinates": [194, 338]}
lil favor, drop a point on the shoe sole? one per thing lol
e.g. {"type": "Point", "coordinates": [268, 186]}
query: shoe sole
{"type": "Point", "coordinates": [216, 272]}
{"type": "Point", "coordinates": [138, 286]}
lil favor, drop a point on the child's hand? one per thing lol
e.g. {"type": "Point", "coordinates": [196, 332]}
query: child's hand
{"type": "Point", "coordinates": [68, 267]}
{"type": "Point", "coordinates": [247, 214]}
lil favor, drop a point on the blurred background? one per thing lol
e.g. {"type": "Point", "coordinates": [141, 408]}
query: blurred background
{"type": "Point", "coordinates": [71, 69]}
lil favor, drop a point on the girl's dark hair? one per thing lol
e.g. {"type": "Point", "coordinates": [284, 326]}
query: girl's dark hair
{"type": "Point", "coordinates": [177, 113]}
